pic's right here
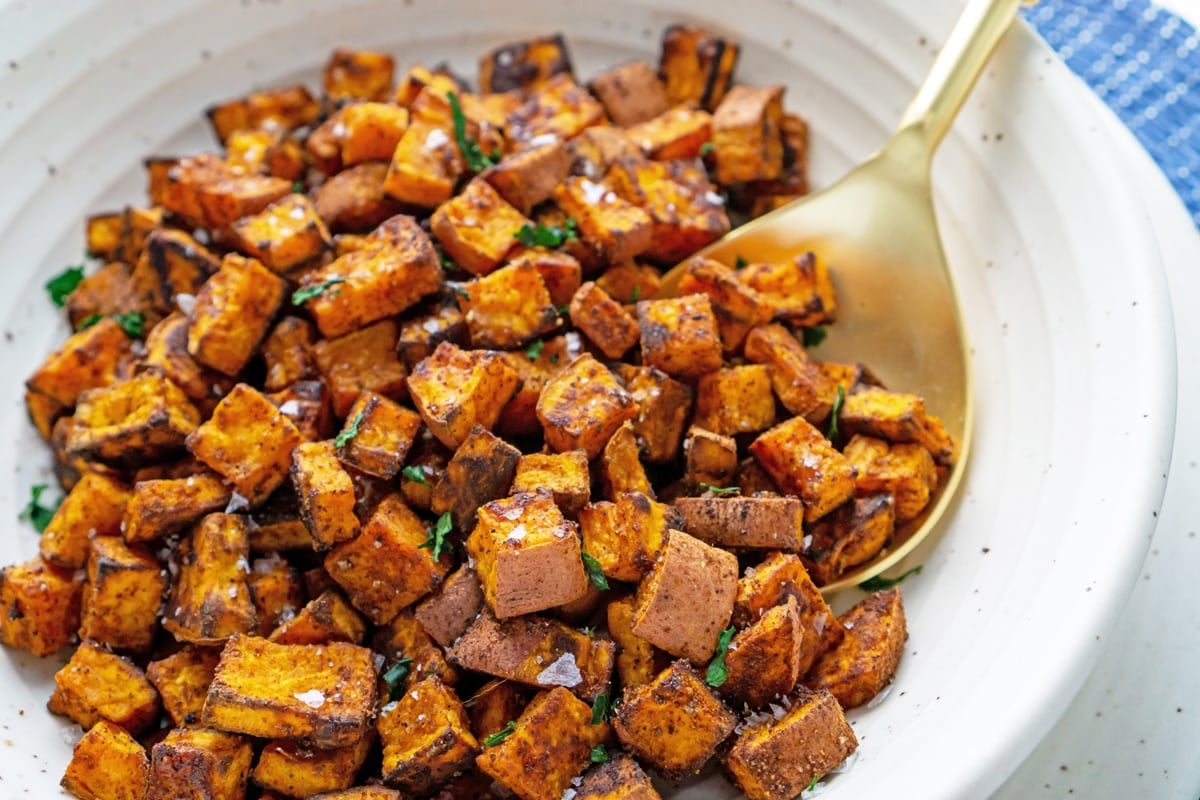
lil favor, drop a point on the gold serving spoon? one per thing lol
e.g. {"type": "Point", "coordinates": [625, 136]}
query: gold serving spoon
{"type": "Point", "coordinates": [877, 230]}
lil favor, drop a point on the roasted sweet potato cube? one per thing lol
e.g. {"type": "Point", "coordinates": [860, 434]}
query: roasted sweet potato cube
{"type": "Point", "coordinates": [707, 576]}
{"type": "Point", "coordinates": [107, 764]}
{"type": "Point", "coordinates": [481, 470]}
{"type": "Point", "coordinates": [199, 763]}
{"type": "Point", "coordinates": [329, 617]}
{"type": "Point", "coordinates": [159, 508]}
{"type": "Point", "coordinates": [361, 793]}
{"type": "Point", "coordinates": [45, 412]}
{"type": "Point", "coordinates": [123, 595]}
{"type": "Point", "coordinates": [278, 591]}
{"type": "Point", "coordinates": [277, 526]}
{"type": "Point", "coordinates": [404, 637]}
{"type": "Point", "coordinates": [770, 584]}
{"type": "Point", "coordinates": [524, 65]}
{"type": "Point", "coordinates": [69, 467]}
{"type": "Point", "coordinates": [146, 418]}
{"type": "Point", "coordinates": [447, 613]}
{"type": "Point", "coordinates": [771, 523]}
{"type": "Point", "coordinates": [800, 385]}
{"type": "Point", "coordinates": [364, 360]}
{"type": "Point", "coordinates": [711, 458]}
{"type": "Point", "coordinates": [508, 308]}
{"type": "Point", "coordinates": [92, 508]}
{"type": "Point", "coordinates": [738, 307]}
{"type": "Point", "coordinates": [664, 405]}
{"type": "Point", "coordinates": [280, 691]}
{"type": "Point", "coordinates": [564, 474]}
{"type": "Point", "coordinates": [353, 199]}
{"type": "Point", "coordinates": [287, 351]}
{"type": "Point", "coordinates": [611, 543]}
{"type": "Point", "coordinates": [527, 555]}
{"type": "Point", "coordinates": [864, 663]}
{"type": "Point", "coordinates": [248, 442]}
{"type": "Point", "coordinates": [582, 406]}
{"type": "Point", "coordinates": [420, 335]}
{"type": "Point", "coordinates": [88, 359]}
{"type": "Point", "coordinates": [295, 770]}
{"type": "Point", "coordinates": [326, 494]}
{"type": "Point", "coordinates": [560, 108]}
{"type": "Point", "coordinates": [428, 468]}
{"type": "Point", "coordinates": [619, 778]}
{"type": "Point", "coordinates": [519, 415]}
{"type": "Point", "coordinates": [358, 75]}
{"type": "Point", "coordinates": [851, 535]}
{"type": "Point", "coordinates": [906, 471]}
{"type": "Point", "coordinates": [528, 176]}
{"type": "Point", "coordinates": [735, 400]}
{"type": "Point", "coordinates": [426, 738]}
{"type": "Point", "coordinates": [685, 212]}
{"type": "Point", "coordinates": [309, 405]}
{"type": "Point", "coordinates": [674, 723]}
{"type": "Point", "coordinates": [385, 432]}
{"type": "Point", "coordinates": [136, 225]}
{"type": "Point", "coordinates": [96, 685]}
{"type": "Point", "coordinates": [181, 262]}
{"type": "Point", "coordinates": [282, 107]}
{"type": "Point", "coordinates": [454, 390]}
{"type": "Point", "coordinates": [283, 235]}
{"type": "Point", "coordinates": [210, 599]}
{"type": "Point", "coordinates": [167, 354]}
{"type": "Point", "coordinates": [426, 165]}
{"type": "Point", "coordinates": [616, 229]}
{"type": "Point", "coordinates": [897, 417]}
{"type": "Point", "coordinates": [39, 606]}
{"type": "Point", "coordinates": [232, 314]}
{"type": "Point", "coordinates": [560, 272]}
{"type": "Point", "coordinates": [158, 169]}
{"type": "Point", "coordinates": [631, 93]}
{"type": "Point", "coordinates": [270, 152]}
{"type": "Point", "coordinates": [619, 468]}
{"type": "Point", "coordinates": [396, 269]}
{"type": "Point", "coordinates": [603, 320]}
{"type": "Point", "coordinates": [674, 133]}
{"type": "Point", "coordinates": [105, 292]}
{"type": "Point", "coordinates": [776, 759]}
{"type": "Point", "coordinates": [801, 290]}
{"type": "Point", "coordinates": [549, 746]}
{"type": "Point", "coordinates": [370, 131]}
{"type": "Point", "coordinates": [803, 462]}
{"type": "Point", "coordinates": [638, 661]}
{"type": "Point", "coordinates": [102, 235]}
{"type": "Point", "coordinates": [495, 704]}
{"type": "Point", "coordinates": [385, 568]}
{"type": "Point", "coordinates": [536, 652]}
{"type": "Point", "coordinates": [182, 681]}
{"type": "Point", "coordinates": [206, 192]}
{"type": "Point", "coordinates": [696, 66]}
{"type": "Point", "coordinates": [763, 661]}
{"type": "Point", "coordinates": [746, 135]}
{"type": "Point", "coordinates": [679, 335]}
{"type": "Point", "coordinates": [596, 149]}
{"type": "Point", "coordinates": [478, 227]}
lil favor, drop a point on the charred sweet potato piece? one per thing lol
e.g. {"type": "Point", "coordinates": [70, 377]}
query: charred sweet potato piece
{"type": "Point", "coordinates": [477, 228]}
{"type": "Point", "coordinates": [88, 359]}
{"type": "Point", "coordinates": [328, 617]}
{"type": "Point", "coordinates": [524, 65]}
{"type": "Point", "coordinates": [528, 176]}
{"type": "Point", "coordinates": [123, 595]}
{"type": "Point", "coordinates": [564, 474]}
{"type": "Point", "coordinates": [679, 335]}
{"type": "Point", "coordinates": [39, 606]}
{"type": "Point", "coordinates": [454, 390]}
{"type": "Point", "coordinates": [426, 165]}
{"type": "Point", "coordinates": [182, 680]}
{"type": "Point", "coordinates": [711, 459]}
{"type": "Point", "coordinates": [582, 406]}
{"type": "Point", "coordinates": [864, 663]}
{"type": "Point", "coordinates": [906, 471]}
{"type": "Point", "coordinates": [738, 307]}
{"type": "Point", "coordinates": [206, 192]}
{"type": "Point", "coordinates": [619, 778]}
{"type": "Point", "coordinates": [278, 591]}
{"type": "Point", "coordinates": [181, 263]}
{"type": "Point", "coordinates": [358, 75]}
{"type": "Point", "coordinates": [364, 360]}
{"type": "Point", "coordinates": [199, 762]}
{"type": "Point", "coordinates": [447, 613]}
{"type": "Point", "coordinates": [103, 293]}
{"type": "Point", "coordinates": [803, 462]}
{"type": "Point", "coordinates": [167, 354]}
{"type": "Point", "coordinates": [232, 314]}
{"type": "Point", "coordinates": [385, 432]}
{"type": "Point", "coordinates": [799, 384]}
{"type": "Point", "coordinates": [638, 661]}
{"type": "Point", "coordinates": [159, 508]}
{"type": "Point", "coordinates": [631, 93]}
{"type": "Point", "coordinates": [603, 320]}
{"type": "Point", "coordinates": [619, 468]}
{"type": "Point", "coordinates": [404, 637]}
{"type": "Point", "coordinates": [210, 599]}
{"type": "Point", "coordinates": [519, 415]}
{"type": "Point", "coordinates": [763, 661]}
{"type": "Point", "coordinates": [283, 235]}
{"type": "Point", "coordinates": [107, 764]}
{"type": "Point", "coordinates": [369, 131]}
{"type": "Point", "coordinates": [897, 417]}
{"type": "Point", "coordinates": [685, 213]}
{"type": "Point", "coordinates": [353, 199]}
{"type": "Point", "coordinates": [851, 535]}
{"type": "Point", "coordinates": [326, 494]}
{"type": "Point", "coordinates": [287, 351]}
{"type": "Point", "coordinates": [735, 400]}
{"type": "Point", "coordinates": [626, 537]}
{"type": "Point", "coordinates": [801, 290]}
{"type": "Point", "coordinates": [696, 66]}
{"type": "Point", "coordinates": [266, 152]}
{"type": "Point", "coordinates": [772, 523]}
{"type": "Point", "coordinates": [508, 308]}
{"type": "Point", "coordinates": [481, 470]}
{"type": "Point", "coordinates": [295, 770]}
{"type": "Point", "coordinates": [426, 738]}
{"type": "Point", "coordinates": [420, 335]}
{"type": "Point", "coordinates": [92, 508]}
{"type": "Point", "coordinates": [283, 107]}
{"type": "Point", "coordinates": [747, 139]}
{"type": "Point", "coordinates": [97, 685]}
{"type": "Point", "coordinates": [616, 229]}
{"type": "Point", "coordinates": [664, 405]}
{"type": "Point", "coordinates": [146, 418]}
{"type": "Point", "coordinates": [675, 133]}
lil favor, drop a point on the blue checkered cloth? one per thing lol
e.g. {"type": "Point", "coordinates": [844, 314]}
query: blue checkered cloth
{"type": "Point", "coordinates": [1144, 62]}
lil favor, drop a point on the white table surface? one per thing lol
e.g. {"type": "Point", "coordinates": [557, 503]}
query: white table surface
{"type": "Point", "coordinates": [1134, 729]}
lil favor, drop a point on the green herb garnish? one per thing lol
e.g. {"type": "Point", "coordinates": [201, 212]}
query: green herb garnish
{"type": "Point", "coordinates": [599, 754]}
{"type": "Point", "coordinates": [740, 262]}
{"type": "Point", "coordinates": [416, 475]}
{"type": "Point", "coordinates": [297, 187]}
{"type": "Point", "coordinates": [306, 293]}
{"type": "Point", "coordinates": [133, 323]}
{"type": "Point", "coordinates": [460, 290]}
{"type": "Point", "coordinates": [564, 311]}
{"type": "Point", "coordinates": [879, 582]}
{"type": "Point", "coordinates": [717, 674]}
{"type": "Point", "coordinates": [394, 677]}
{"type": "Point", "coordinates": [814, 336]}
{"type": "Point", "coordinates": [447, 261]}
{"type": "Point", "coordinates": [813, 783]}
{"type": "Point", "coordinates": [708, 487]}
{"type": "Point", "coordinates": [706, 148]}
{"type": "Point", "coordinates": [349, 432]}
{"type": "Point", "coordinates": [601, 708]}
{"type": "Point", "coordinates": [833, 414]}
{"type": "Point", "coordinates": [547, 235]}
{"type": "Point", "coordinates": [87, 322]}
{"type": "Point", "coordinates": [636, 294]}
{"type": "Point", "coordinates": [534, 349]}
{"type": "Point", "coordinates": [472, 153]}
{"type": "Point", "coordinates": [34, 512]}
{"type": "Point", "coordinates": [61, 285]}
{"type": "Point", "coordinates": [595, 574]}
{"type": "Point", "coordinates": [500, 735]}
{"type": "Point", "coordinates": [437, 536]}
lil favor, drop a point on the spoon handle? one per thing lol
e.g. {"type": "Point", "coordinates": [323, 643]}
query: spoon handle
{"type": "Point", "coordinates": [957, 66]}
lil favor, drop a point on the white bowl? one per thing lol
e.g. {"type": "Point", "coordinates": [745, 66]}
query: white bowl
{"type": "Point", "coordinates": [1065, 304]}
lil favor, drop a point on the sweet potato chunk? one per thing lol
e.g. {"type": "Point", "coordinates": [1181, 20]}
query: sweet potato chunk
{"type": "Point", "coordinates": [404, 637]}
{"type": "Point", "coordinates": [199, 763]}
{"type": "Point", "coordinates": [696, 66]}
{"type": "Point", "coordinates": [92, 508]}
{"type": "Point", "coordinates": [679, 335]}
{"type": "Point", "coordinates": [619, 778]}
{"type": "Point", "coordinates": [524, 65]}
{"type": "Point", "coordinates": [232, 313]}
{"type": "Point", "coordinates": [527, 555]}
{"type": "Point", "coordinates": [906, 471]}
{"type": "Point", "coordinates": [86, 360]}
{"type": "Point", "coordinates": [369, 131]}
{"type": "Point", "coordinates": [288, 354]}
{"type": "Point", "coordinates": [107, 764]}
{"type": "Point", "coordinates": [159, 508]}
{"type": "Point", "coordinates": [800, 385]}
{"type": "Point", "coordinates": [631, 93]}
{"type": "Point", "coordinates": [711, 458]}
{"type": "Point", "coordinates": [626, 537]}
{"type": "Point", "coordinates": [364, 360]}
{"type": "Point", "coordinates": [426, 738]}
{"type": "Point", "coordinates": [738, 307]}
{"type": "Point", "coordinates": [386, 431]}
{"type": "Point", "coordinates": [560, 271]}
{"type": "Point", "coordinates": [284, 234]}
{"type": "Point", "coordinates": [676, 133]}
{"type": "Point", "coordinates": [707, 577]}
{"type": "Point", "coordinates": [803, 462]}
{"type": "Point", "coordinates": [735, 400]}
{"type": "Point", "coordinates": [582, 406]}
{"type": "Point", "coordinates": [685, 211]}
{"type": "Point", "coordinates": [772, 523]}
{"type": "Point", "coordinates": [664, 405]}
{"type": "Point", "coordinates": [455, 390]}
{"type": "Point", "coordinates": [528, 177]}
{"type": "Point", "coordinates": [478, 227]}
{"type": "Point", "coordinates": [558, 108]}
{"type": "Point", "coordinates": [564, 474]}
{"type": "Point", "coordinates": [39, 606]}
{"type": "Point", "coordinates": [674, 723]}
{"type": "Point", "coordinates": [207, 192]}
{"type": "Point", "coordinates": [353, 199]}
{"type": "Point", "coordinates": [146, 418]}
{"type": "Point", "coordinates": [519, 415]}
{"type": "Point", "coordinates": [295, 770]}
{"type": "Point", "coordinates": [899, 418]}
{"type": "Point", "coordinates": [548, 747]}
{"type": "Point", "coordinates": [282, 107]}
{"type": "Point", "coordinates": [866, 660]}
{"type": "Point", "coordinates": [420, 335]}
{"type": "Point", "coordinates": [448, 612]}
{"type": "Point", "coordinates": [620, 468]}
{"type": "Point", "coordinates": [617, 229]}
{"type": "Point", "coordinates": [247, 441]}
{"type": "Point", "coordinates": [329, 617]}
{"type": "Point", "coordinates": [210, 599]}
{"type": "Point", "coordinates": [638, 661]}
{"type": "Point", "coordinates": [123, 595]}
{"type": "Point", "coordinates": [747, 139]}
{"type": "Point", "coordinates": [763, 661]}
{"type": "Point", "coordinates": [326, 494]}
{"type": "Point", "coordinates": [851, 535]}
{"type": "Point", "coordinates": [182, 681]}
{"type": "Point", "coordinates": [508, 308]}
{"type": "Point", "coordinates": [277, 691]}
{"type": "Point", "coordinates": [97, 685]}
{"type": "Point", "coordinates": [603, 320]}
{"type": "Point", "coordinates": [801, 290]}
{"type": "Point", "coordinates": [358, 75]}
{"type": "Point", "coordinates": [426, 165]}
{"type": "Point", "coordinates": [481, 470]}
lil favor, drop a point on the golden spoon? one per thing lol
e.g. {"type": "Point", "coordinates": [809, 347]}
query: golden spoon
{"type": "Point", "coordinates": [877, 230]}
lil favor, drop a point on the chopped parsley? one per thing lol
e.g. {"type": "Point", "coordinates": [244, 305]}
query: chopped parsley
{"type": "Point", "coordinates": [297, 187]}
{"type": "Point", "coordinates": [636, 294]}
{"type": "Point", "coordinates": [602, 708]}
{"type": "Point", "coordinates": [833, 414]}
{"type": "Point", "coordinates": [708, 487]}
{"type": "Point", "coordinates": [717, 674]}
{"type": "Point", "coordinates": [460, 290]}
{"type": "Point", "coordinates": [500, 735]}
{"type": "Point", "coordinates": [534, 349]}
{"type": "Point", "coordinates": [61, 285]}
{"type": "Point", "coordinates": [564, 311]}
{"type": "Point", "coordinates": [416, 475]}
{"type": "Point", "coordinates": [595, 574]}
{"type": "Point", "coordinates": [88, 321]}
{"type": "Point", "coordinates": [394, 677]}
{"type": "Point", "coordinates": [447, 261]}
{"type": "Point", "coordinates": [547, 235]}
{"type": "Point", "coordinates": [34, 512]}
{"type": "Point", "coordinates": [306, 293]}
{"type": "Point", "coordinates": [437, 537]}
{"type": "Point", "coordinates": [133, 323]}
{"type": "Point", "coordinates": [879, 582]}
{"type": "Point", "coordinates": [814, 336]}
{"type": "Point", "coordinates": [740, 262]}
{"type": "Point", "coordinates": [813, 783]}
{"type": "Point", "coordinates": [472, 153]}
{"type": "Point", "coordinates": [349, 432]}
{"type": "Point", "coordinates": [706, 148]}
{"type": "Point", "coordinates": [599, 754]}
